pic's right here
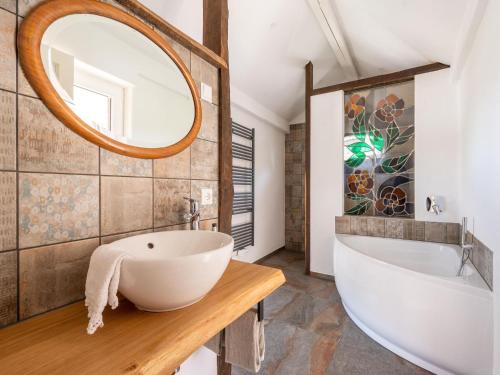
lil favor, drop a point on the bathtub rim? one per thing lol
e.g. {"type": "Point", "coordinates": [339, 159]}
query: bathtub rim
{"type": "Point", "coordinates": [474, 284]}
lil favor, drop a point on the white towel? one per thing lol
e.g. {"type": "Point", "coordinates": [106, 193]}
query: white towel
{"type": "Point", "coordinates": [101, 286]}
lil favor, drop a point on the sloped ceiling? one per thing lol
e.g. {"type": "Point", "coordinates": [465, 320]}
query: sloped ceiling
{"type": "Point", "coordinates": [271, 41]}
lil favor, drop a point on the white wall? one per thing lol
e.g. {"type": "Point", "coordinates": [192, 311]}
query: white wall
{"type": "Point", "coordinates": [437, 145]}
{"type": "Point", "coordinates": [269, 185]}
{"type": "Point", "coordinates": [479, 99]}
{"type": "Point", "coordinates": [327, 198]}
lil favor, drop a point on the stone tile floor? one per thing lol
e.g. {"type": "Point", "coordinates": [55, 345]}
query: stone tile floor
{"type": "Point", "coordinates": [308, 331]}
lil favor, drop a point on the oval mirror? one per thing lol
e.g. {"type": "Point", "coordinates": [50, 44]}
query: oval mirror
{"type": "Point", "coordinates": [110, 78]}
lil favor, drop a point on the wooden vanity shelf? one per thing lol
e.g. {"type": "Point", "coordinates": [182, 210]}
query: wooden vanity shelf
{"type": "Point", "coordinates": [132, 341]}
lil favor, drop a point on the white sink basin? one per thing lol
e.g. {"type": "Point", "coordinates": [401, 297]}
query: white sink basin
{"type": "Point", "coordinates": [170, 270]}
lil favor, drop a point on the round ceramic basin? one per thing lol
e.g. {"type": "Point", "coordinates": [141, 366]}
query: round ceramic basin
{"type": "Point", "coordinates": [170, 270]}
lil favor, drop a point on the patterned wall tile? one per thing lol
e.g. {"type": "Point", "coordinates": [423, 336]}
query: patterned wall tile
{"type": "Point", "coordinates": [210, 211]}
{"type": "Point", "coordinates": [420, 230]}
{"type": "Point", "coordinates": [26, 5]}
{"type": "Point", "coordinates": [207, 224]}
{"type": "Point", "coordinates": [482, 258]}
{"type": "Point", "coordinates": [7, 50]}
{"type": "Point", "coordinates": [375, 227]}
{"type": "Point", "coordinates": [453, 233]}
{"type": "Point", "coordinates": [182, 51]}
{"type": "Point", "coordinates": [170, 205]}
{"type": "Point", "coordinates": [23, 86]}
{"type": "Point", "coordinates": [394, 228]}
{"type": "Point", "coordinates": [126, 204]}
{"type": "Point", "coordinates": [409, 229]}
{"type": "Point", "coordinates": [7, 130]}
{"type": "Point", "coordinates": [57, 208]}
{"type": "Point", "coordinates": [119, 165]}
{"type": "Point", "coordinates": [46, 145]}
{"type": "Point", "coordinates": [9, 5]}
{"type": "Point", "coordinates": [8, 288]}
{"type": "Point", "coordinates": [116, 237]}
{"type": "Point", "coordinates": [177, 166]}
{"type": "Point", "coordinates": [435, 232]}
{"type": "Point", "coordinates": [203, 71]}
{"type": "Point", "coordinates": [53, 276]}
{"type": "Point", "coordinates": [359, 226]}
{"type": "Point", "coordinates": [8, 209]}
{"type": "Point", "coordinates": [210, 122]}
{"type": "Point", "coordinates": [204, 160]}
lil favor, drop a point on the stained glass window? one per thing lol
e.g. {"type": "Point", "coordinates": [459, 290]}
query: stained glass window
{"type": "Point", "coordinates": [379, 151]}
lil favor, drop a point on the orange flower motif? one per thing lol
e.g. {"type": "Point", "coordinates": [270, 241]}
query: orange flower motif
{"type": "Point", "coordinates": [355, 106]}
{"type": "Point", "coordinates": [390, 108]}
{"type": "Point", "coordinates": [360, 182]}
{"type": "Point", "coordinates": [392, 201]}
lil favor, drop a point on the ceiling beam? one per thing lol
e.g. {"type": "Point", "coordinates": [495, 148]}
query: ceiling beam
{"type": "Point", "coordinates": [382, 80]}
{"type": "Point", "coordinates": [330, 26]}
{"type": "Point", "coordinates": [473, 16]}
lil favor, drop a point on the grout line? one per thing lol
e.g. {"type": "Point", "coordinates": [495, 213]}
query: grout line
{"type": "Point", "coordinates": [18, 307]}
{"type": "Point", "coordinates": [59, 243]}
{"type": "Point", "coordinates": [9, 11]}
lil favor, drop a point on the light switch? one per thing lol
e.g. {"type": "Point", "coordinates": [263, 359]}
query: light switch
{"type": "Point", "coordinates": [206, 197]}
{"type": "Point", "coordinates": [206, 92]}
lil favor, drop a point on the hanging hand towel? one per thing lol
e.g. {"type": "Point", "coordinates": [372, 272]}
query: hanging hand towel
{"type": "Point", "coordinates": [101, 287]}
{"type": "Point", "coordinates": [245, 342]}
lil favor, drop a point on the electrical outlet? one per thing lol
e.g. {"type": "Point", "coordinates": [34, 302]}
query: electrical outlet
{"type": "Point", "coordinates": [206, 197]}
{"type": "Point", "coordinates": [206, 92]}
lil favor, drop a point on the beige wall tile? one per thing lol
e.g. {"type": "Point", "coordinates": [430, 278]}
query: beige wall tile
{"type": "Point", "coordinates": [8, 207]}
{"type": "Point", "coordinates": [8, 288]}
{"type": "Point", "coordinates": [202, 71]}
{"type": "Point", "coordinates": [10, 5]}
{"type": "Point", "coordinates": [409, 229]}
{"type": "Point", "coordinates": [126, 204]}
{"type": "Point", "coordinates": [23, 86]}
{"type": "Point", "coordinates": [26, 5]}
{"type": "Point", "coordinates": [46, 145]}
{"type": "Point", "coordinates": [116, 237]}
{"type": "Point", "coordinates": [170, 205]}
{"type": "Point", "coordinates": [343, 224]}
{"type": "Point", "coordinates": [435, 232]}
{"type": "Point", "coordinates": [53, 276]}
{"type": "Point", "coordinates": [453, 233]}
{"type": "Point", "coordinates": [359, 226]}
{"type": "Point", "coordinates": [420, 230]}
{"type": "Point", "coordinates": [375, 226]}
{"type": "Point", "coordinates": [210, 122]}
{"type": "Point", "coordinates": [182, 51]}
{"type": "Point", "coordinates": [7, 50]}
{"type": "Point", "coordinates": [7, 130]}
{"type": "Point", "coordinates": [57, 208]}
{"type": "Point", "coordinates": [119, 165]}
{"type": "Point", "coordinates": [177, 166]}
{"type": "Point", "coordinates": [482, 258]}
{"type": "Point", "coordinates": [207, 211]}
{"type": "Point", "coordinates": [204, 160]}
{"type": "Point", "coordinates": [173, 227]}
{"type": "Point", "coordinates": [207, 224]}
{"type": "Point", "coordinates": [394, 228]}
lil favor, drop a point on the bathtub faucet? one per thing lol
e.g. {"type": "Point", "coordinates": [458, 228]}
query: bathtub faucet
{"type": "Point", "coordinates": [466, 248]}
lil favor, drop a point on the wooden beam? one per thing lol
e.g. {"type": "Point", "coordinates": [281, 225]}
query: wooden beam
{"type": "Point", "coordinates": [215, 37]}
{"type": "Point", "coordinates": [307, 173]}
{"type": "Point", "coordinates": [382, 80]}
{"type": "Point", "coordinates": [154, 19]}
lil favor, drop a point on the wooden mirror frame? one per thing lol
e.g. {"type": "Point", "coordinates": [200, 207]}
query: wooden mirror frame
{"type": "Point", "coordinates": [29, 41]}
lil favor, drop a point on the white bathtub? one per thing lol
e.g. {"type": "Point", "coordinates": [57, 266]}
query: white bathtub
{"type": "Point", "coordinates": [405, 295]}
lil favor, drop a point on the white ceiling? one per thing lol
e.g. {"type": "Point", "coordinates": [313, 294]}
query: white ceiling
{"type": "Point", "coordinates": [270, 41]}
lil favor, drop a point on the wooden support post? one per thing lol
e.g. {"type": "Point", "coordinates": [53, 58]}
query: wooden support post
{"type": "Point", "coordinates": [215, 37]}
{"type": "Point", "coordinates": [307, 174]}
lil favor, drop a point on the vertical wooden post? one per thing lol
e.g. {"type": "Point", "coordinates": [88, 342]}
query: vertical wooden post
{"type": "Point", "coordinates": [307, 174]}
{"type": "Point", "coordinates": [215, 37]}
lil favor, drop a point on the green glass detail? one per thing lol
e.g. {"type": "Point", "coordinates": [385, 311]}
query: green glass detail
{"type": "Point", "coordinates": [377, 139]}
{"type": "Point", "coordinates": [394, 165]}
{"type": "Point", "coordinates": [359, 147]}
{"type": "Point", "coordinates": [358, 127]}
{"type": "Point", "coordinates": [360, 208]}
{"type": "Point", "coordinates": [355, 160]}
{"type": "Point", "coordinates": [392, 134]}
{"type": "Point", "coordinates": [355, 197]}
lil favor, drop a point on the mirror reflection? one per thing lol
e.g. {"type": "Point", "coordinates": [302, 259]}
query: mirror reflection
{"type": "Point", "coordinates": [118, 81]}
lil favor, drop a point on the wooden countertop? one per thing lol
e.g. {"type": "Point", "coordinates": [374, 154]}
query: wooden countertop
{"type": "Point", "coordinates": [132, 341]}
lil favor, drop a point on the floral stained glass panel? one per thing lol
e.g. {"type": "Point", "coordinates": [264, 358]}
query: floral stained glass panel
{"type": "Point", "coordinates": [379, 151]}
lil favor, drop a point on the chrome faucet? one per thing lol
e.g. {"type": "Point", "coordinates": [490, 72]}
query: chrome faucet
{"type": "Point", "coordinates": [194, 213]}
{"type": "Point", "coordinates": [466, 248]}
